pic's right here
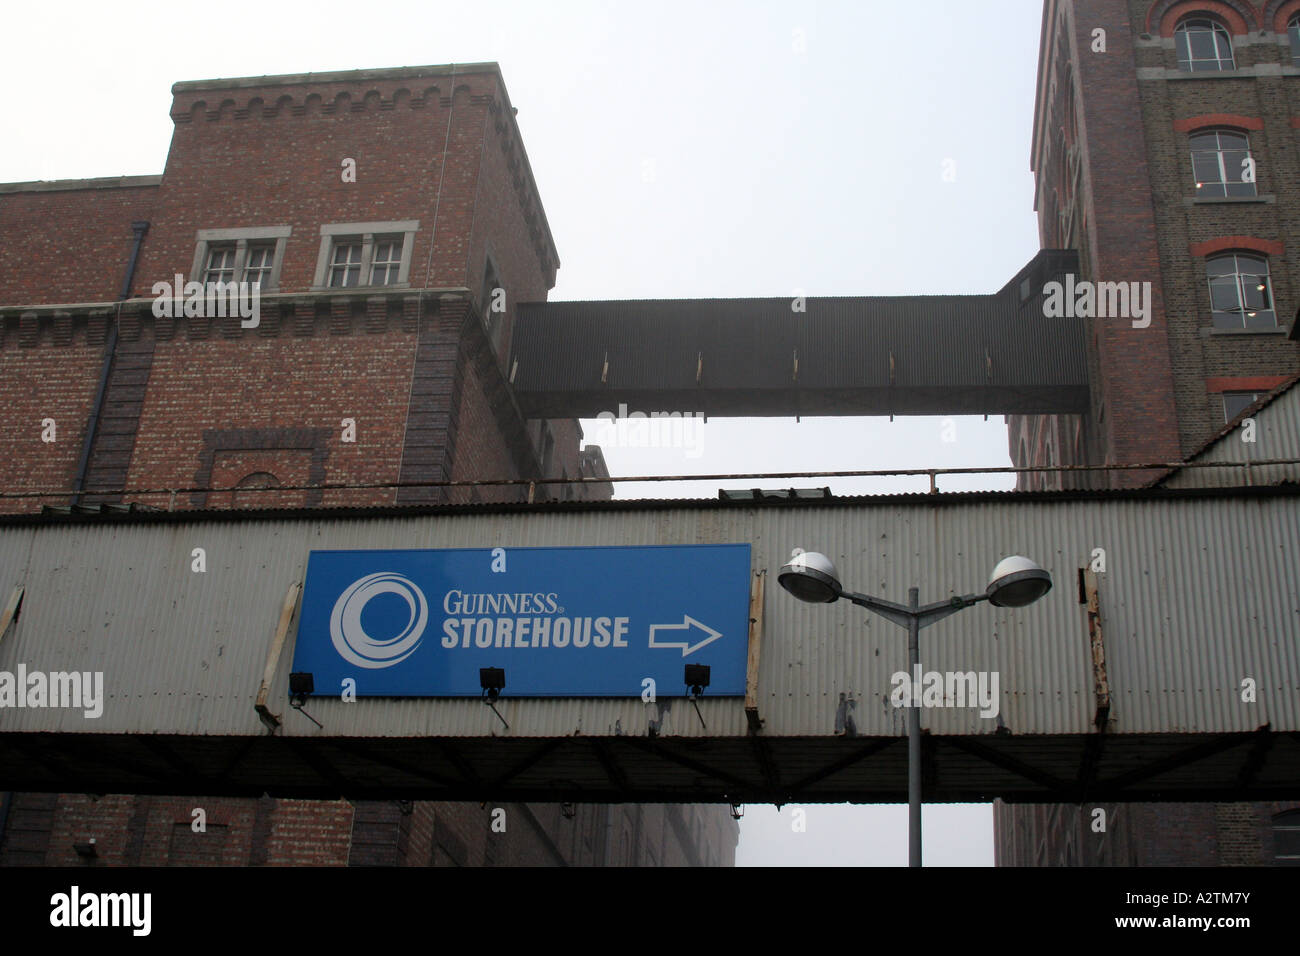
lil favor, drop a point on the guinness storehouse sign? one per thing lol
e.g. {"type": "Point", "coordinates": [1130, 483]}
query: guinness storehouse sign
{"type": "Point", "coordinates": [561, 622]}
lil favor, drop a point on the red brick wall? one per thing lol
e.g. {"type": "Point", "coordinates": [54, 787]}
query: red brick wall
{"type": "Point", "coordinates": [37, 383]}
{"type": "Point", "coordinates": [260, 382]}
{"type": "Point", "coordinates": [68, 245]}
{"type": "Point", "coordinates": [232, 165]}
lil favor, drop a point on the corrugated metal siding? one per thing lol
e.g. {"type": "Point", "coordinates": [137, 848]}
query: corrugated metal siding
{"type": "Point", "coordinates": [1198, 594]}
{"type": "Point", "coordinates": [1277, 436]}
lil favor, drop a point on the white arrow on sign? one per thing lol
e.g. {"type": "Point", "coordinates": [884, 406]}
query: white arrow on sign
{"type": "Point", "coordinates": [687, 623]}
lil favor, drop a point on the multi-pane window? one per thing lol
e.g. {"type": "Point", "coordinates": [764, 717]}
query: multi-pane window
{"type": "Point", "coordinates": [1203, 46]}
{"type": "Point", "coordinates": [249, 254]}
{"type": "Point", "coordinates": [1219, 163]}
{"type": "Point", "coordinates": [1293, 32]}
{"type": "Point", "coordinates": [345, 268]}
{"type": "Point", "coordinates": [386, 261]}
{"type": "Point", "coordinates": [220, 266]}
{"type": "Point", "coordinates": [364, 254]}
{"type": "Point", "coordinates": [1234, 403]}
{"type": "Point", "coordinates": [258, 266]}
{"type": "Point", "coordinates": [1240, 294]}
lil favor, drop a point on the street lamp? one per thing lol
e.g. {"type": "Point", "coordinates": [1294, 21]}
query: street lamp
{"type": "Point", "coordinates": [1015, 582]}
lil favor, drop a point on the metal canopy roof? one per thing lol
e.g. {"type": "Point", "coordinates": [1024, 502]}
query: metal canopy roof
{"type": "Point", "coordinates": [1199, 591]}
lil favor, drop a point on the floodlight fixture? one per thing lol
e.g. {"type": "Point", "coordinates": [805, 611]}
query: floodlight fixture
{"type": "Point", "coordinates": [492, 680]}
{"type": "Point", "coordinates": [1017, 581]}
{"type": "Point", "coordinates": [697, 678]}
{"type": "Point", "coordinates": [811, 577]}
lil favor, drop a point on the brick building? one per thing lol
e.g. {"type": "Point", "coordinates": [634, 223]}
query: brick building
{"type": "Point", "coordinates": [1166, 150]}
{"type": "Point", "coordinates": [391, 222]}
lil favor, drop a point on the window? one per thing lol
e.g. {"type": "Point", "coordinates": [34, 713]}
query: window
{"type": "Point", "coordinates": [241, 255]}
{"type": "Point", "coordinates": [221, 265]}
{"type": "Point", "coordinates": [1218, 163]}
{"type": "Point", "coordinates": [260, 263]}
{"type": "Point", "coordinates": [360, 254]}
{"type": "Point", "coordinates": [1240, 296]}
{"type": "Point", "coordinates": [1203, 46]}
{"type": "Point", "coordinates": [1293, 31]}
{"type": "Point", "coordinates": [345, 270]}
{"type": "Point", "coordinates": [387, 261]}
{"type": "Point", "coordinates": [1234, 403]}
{"type": "Point", "coordinates": [1286, 838]}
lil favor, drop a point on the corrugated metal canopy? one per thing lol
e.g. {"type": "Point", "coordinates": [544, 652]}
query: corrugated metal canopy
{"type": "Point", "coordinates": [1199, 593]}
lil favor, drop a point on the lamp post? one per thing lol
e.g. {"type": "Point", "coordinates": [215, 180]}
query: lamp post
{"type": "Point", "coordinates": [1015, 582]}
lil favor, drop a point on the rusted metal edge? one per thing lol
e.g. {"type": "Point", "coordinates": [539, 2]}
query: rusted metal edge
{"type": "Point", "coordinates": [1101, 682]}
{"type": "Point", "coordinates": [756, 591]}
{"type": "Point", "coordinates": [10, 613]}
{"type": "Point", "coordinates": [287, 613]}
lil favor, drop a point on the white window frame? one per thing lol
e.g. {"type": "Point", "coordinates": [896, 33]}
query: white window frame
{"type": "Point", "coordinates": [1218, 31]}
{"type": "Point", "coordinates": [1223, 182]}
{"type": "Point", "coordinates": [366, 233]}
{"type": "Point", "coordinates": [1240, 258]}
{"type": "Point", "coordinates": [241, 238]}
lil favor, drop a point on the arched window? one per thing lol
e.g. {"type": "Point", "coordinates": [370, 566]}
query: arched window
{"type": "Point", "coordinates": [1240, 294]}
{"type": "Point", "coordinates": [1293, 31]}
{"type": "Point", "coordinates": [1286, 838]}
{"type": "Point", "coordinates": [245, 491]}
{"type": "Point", "coordinates": [1203, 46]}
{"type": "Point", "coordinates": [1219, 163]}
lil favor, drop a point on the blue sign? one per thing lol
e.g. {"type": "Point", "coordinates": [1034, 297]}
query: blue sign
{"type": "Point", "coordinates": [561, 622]}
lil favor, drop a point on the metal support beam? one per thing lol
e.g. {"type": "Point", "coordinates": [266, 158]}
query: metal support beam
{"type": "Point", "coordinates": [989, 755]}
{"type": "Point", "coordinates": [1256, 759]}
{"type": "Point", "coordinates": [612, 770]}
{"type": "Point", "coordinates": [1174, 761]}
{"type": "Point", "coordinates": [534, 758]}
{"type": "Point", "coordinates": [360, 750]}
{"type": "Point", "coordinates": [843, 763]}
{"type": "Point", "coordinates": [704, 770]}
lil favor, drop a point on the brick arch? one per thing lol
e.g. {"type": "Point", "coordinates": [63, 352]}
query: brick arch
{"type": "Point", "coordinates": [1268, 247]}
{"type": "Point", "coordinates": [1237, 15]}
{"type": "Point", "coordinates": [1217, 120]}
{"type": "Point", "coordinates": [258, 480]}
{"type": "Point", "coordinates": [1279, 12]}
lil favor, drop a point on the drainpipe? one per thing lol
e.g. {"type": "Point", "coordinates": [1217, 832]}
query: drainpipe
{"type": "Point", "coordinates": [139, 228]}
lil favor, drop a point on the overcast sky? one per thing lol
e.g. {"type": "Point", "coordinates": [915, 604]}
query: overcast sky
{"type": "Point", "coordinates": [701, 149]}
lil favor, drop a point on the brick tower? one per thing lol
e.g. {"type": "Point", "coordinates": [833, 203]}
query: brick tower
{"type": "Point", "coordinates": [1166, 150]}
{"type": "Point", "coordinates": [391, 223]}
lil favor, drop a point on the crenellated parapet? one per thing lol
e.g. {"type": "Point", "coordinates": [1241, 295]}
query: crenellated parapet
{"type": "Point", "coordinates": [301, 315]}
